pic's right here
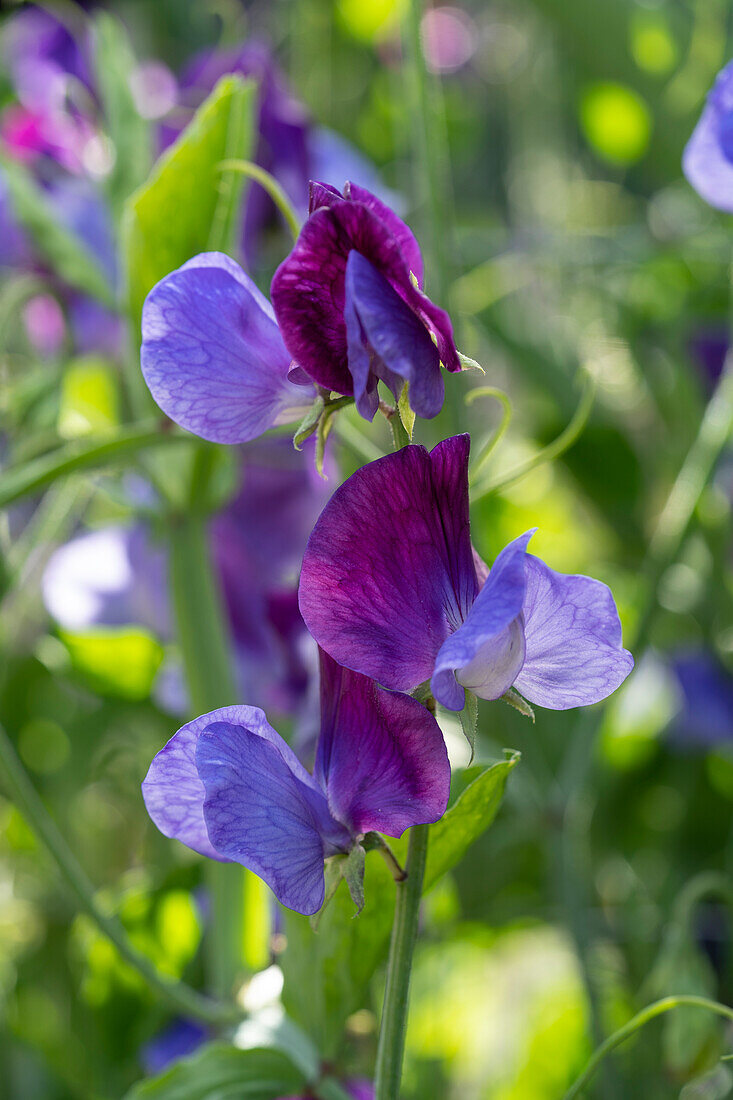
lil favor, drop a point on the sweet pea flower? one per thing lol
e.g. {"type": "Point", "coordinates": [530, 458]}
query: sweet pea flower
{"type": "Point", "coordinates": [350, 307]}
{"type": "Point", "coordinates": [708, 157]}
{"type": "Point", "coordinates": [391, 587]}
{"type": "Point", "coordinates": [228, 786]}
{"type": "Point", "coordinates": [212, 354]}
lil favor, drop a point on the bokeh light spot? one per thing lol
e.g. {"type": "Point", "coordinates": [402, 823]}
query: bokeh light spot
{"type": "Point", "coordinates": [616, 123]}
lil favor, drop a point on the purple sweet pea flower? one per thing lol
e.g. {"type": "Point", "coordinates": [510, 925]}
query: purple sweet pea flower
{"type": "Point", "coordinates": [350, 307]}
{"type": "Point", "coordinates": [390, 587]}
{"type": "Point", "coordinates": [708, 157]}
{"type": "Point", "coordinates": [212, 354]}
{"type": "Point", "coordinates": [229, 787]}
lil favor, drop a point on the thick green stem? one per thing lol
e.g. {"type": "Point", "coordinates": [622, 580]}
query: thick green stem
{"type": "Point", "coordinates": [181, 997]}
{"type": "Point", "coordinates": [649, 1013]}
{"type": "Point", "coordinates": [207, 664]}
{"type": "Point", "coordinates": [396, 995]}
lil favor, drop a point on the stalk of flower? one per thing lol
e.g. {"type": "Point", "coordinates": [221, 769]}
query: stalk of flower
{"type": "Point", "coordinates": [391, 587]}
{"type": "Point", "coordinates": [228, 786]}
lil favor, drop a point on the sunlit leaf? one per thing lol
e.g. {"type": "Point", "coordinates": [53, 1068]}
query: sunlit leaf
{"type": "Point", "coordinates": [118, 661]}
{"type": "Point", "coordinates": [221, 1072]}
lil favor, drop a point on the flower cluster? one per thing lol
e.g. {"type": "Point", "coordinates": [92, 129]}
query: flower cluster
{"type": "Point", "coordinates": [390, 586]}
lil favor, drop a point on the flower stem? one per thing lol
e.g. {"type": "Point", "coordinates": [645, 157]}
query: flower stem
{"type": "Point", "coordinates": [657, 1008]}
{"type": "Point", "coordinates": [180, 996]}
{"type": "Point", "coordinates": [205, 650]}
{"type": "Point", "coordinates": [396, 995]}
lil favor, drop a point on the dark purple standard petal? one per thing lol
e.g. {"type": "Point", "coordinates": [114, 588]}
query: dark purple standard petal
{"type": "Point", "coordinates": [487, 651]}
{"type": "Point", "coordinates": [708, 157]}
{"type": "Point", "coordinates": [388, 572]}
{"type": "Point", "coordinates": [574, 654]}
{"type": "Point", "coordinates": [212, 354]}
{"type": "Point", "coordinates": [309, 287]}
{"type": "Point", "coordinates": [387, 340]}
{"type": "Point", "coordinates": [381, 757]}
{"type": "Point", "coordinates": [264, 810]}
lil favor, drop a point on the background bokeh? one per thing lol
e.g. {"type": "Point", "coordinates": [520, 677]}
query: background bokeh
{"type": "Point", "coordinates": [572, 254]}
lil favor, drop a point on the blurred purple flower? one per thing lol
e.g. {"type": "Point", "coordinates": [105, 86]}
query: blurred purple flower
{"type": "Point", "coordinates": [390, 587]}
{"type": "Point", "coordinates": [348, 302]}
{"type": "Point", "coordinates": [229, 787]}
{"type": "Point", "coordinates": [708, 157]}
{"type": "Point", "coordinates": [179, 1039]}
{"type": "Point", "coordinates": [118, 576]}
{"type": "Point", "coordinates": [212, 354]}
{"type": "Point", "coordinates": [706, 687]}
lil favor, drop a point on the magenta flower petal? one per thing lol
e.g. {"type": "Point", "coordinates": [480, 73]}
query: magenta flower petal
{"type": "Point", "coordinates": [381, 757]}
{"type": "Point", "coordinates": [309, 287]}
{"type": "Point", "coordinates": [212, 354]}
{"type": "Point", "coordinates": [486, 653]}
{"type": "Point", "coordinates": [574, 655]}
{"type": "Point", "coordinates": [388, 572]}
{"type": "Point", "coordinates": [401, 232]}
{"type": "Point", "coordinates": [264, 810]}
{"type": "Point", "coordinates": [387, 340]}
{"type": "Point", "coordinates": [708, 157]}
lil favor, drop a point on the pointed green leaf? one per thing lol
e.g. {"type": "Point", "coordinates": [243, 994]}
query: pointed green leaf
{"type": "Point", "coordinates": [65, 254]}
{"type": "Point", "coordinates": [467, 363]}
{"type": "Point", "coordinates": [188, 205]}
{"type": "Point", "coordinates": [221, 1072]}
{"type": "Point", "coordinates": [465, 821]}
{"type": "Point", "coordinates": [354, 875]}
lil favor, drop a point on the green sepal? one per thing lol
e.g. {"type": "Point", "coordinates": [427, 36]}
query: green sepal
{"type": "Point", "coordinates": [333, 871]}
{"type": "Point", "coordinates": [309, 423]}
{"type": "Point", "coordinates": [323, 430]}
{"type": "Point", "coordinates": [467, 363]}
{"type": "Point", "coordinates": [400, 436]}
{"type": "Point", "coordinates": [404, 411]}
{"type": "Point", "coordinates": [354, 875]}
{"type": "Point", "coordinates": [424, 695]}
{"type": "Point", "coordinates": [350, 868]}
{"type": "Point", "coordinates": [514, 699]}
{"type": "Point", "coordinates": [469, 721]}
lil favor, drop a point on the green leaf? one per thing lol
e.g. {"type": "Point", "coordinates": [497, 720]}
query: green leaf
{"type": "Point", "coordinates": [114, 65]}
{"type": "Point", "coordinates": [465, 821]}
{"type": "Point", "coordinates": [63, 252]}
{"type": "Point", "coordinates": [189, 205]}
{"type": "Point", "coordinates": [467, 363]}
{"type": "Point", "coordinates": [89, 397]}
{"type": "Point", "coordinates": [116, 660]}
{"type": "Point", "coordinates": [469, 720]}
{"type": "Point", "coordinates": [327, 974]}
{"type": "Point", "coordinates": [220, 1072]}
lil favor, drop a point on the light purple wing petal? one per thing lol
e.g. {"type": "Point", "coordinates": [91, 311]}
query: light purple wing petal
{"type": "Point", "coordinates": [573, 639]}
{"type": "Point", "coordinates": [708, 157]}
{"type": "Point", "coordinates": [377, 316]}
{"type": "Point", "coordinates": [401, 232]}
{"type": "Point", "coordinates": [388, 571]}
{"type": "Point", "coordinates": [381, 756]}
{"type": "Point", "coordinates": [212, 354]}
{"type": "Point", "coordinates": [263, 810]}
{"type": "Point", "coordinates": [172, 789]}
{"type": "Point", "coordinates": [487, 651]}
